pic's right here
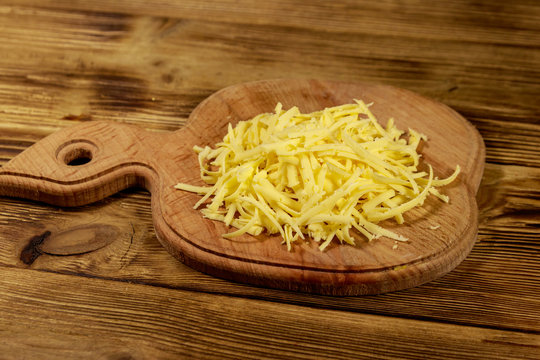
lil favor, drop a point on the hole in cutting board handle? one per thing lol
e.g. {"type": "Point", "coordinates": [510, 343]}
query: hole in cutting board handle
{"type": "Point", "coordinates": [76, 152]}
{"type": "Point", "coordinates": [78, 157]}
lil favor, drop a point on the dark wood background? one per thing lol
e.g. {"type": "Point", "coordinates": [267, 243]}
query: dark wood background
{"type": "Point", "coordinates": [106, 289]}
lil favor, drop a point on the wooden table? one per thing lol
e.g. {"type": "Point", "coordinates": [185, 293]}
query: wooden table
{"type": "Point", "coordinates": [120, 295]}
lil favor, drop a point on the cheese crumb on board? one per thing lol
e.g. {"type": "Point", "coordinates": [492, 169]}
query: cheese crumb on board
{"type": "Point", "coordinates": [328, 175]}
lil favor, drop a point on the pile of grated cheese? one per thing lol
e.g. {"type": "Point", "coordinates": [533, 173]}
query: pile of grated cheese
{"type": "Point", "coordinates": [330, 174]}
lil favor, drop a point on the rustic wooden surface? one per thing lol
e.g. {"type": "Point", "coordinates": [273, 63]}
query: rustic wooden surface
{"type": "Point", "coordinates": [105, 288]}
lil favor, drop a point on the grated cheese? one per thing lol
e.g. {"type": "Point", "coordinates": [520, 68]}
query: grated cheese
{"type": "Point", "coordinates": [329, 174]}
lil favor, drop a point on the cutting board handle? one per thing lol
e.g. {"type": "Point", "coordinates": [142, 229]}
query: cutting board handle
{"type": "Point", "coordinates": [82, 164]}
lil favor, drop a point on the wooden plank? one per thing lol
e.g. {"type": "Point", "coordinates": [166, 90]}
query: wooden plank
{"type": "Point", "coordinates": [454, 19]}
{"type": "Point", "coordinates": [98, 77]}
{"type": "Point", "coordinates": [510, 142]}
{"type": "Point", "coordinates": [57, 316]}
{"type": "Point", "coordinates": [477, 292]}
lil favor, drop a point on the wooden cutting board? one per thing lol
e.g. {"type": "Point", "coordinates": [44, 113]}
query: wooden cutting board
{"type": "Point", "coordinates": [88, 162]}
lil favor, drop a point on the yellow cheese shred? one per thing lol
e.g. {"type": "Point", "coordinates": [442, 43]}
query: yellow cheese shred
{"type": "Point", "coordinates": [330, 175]}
